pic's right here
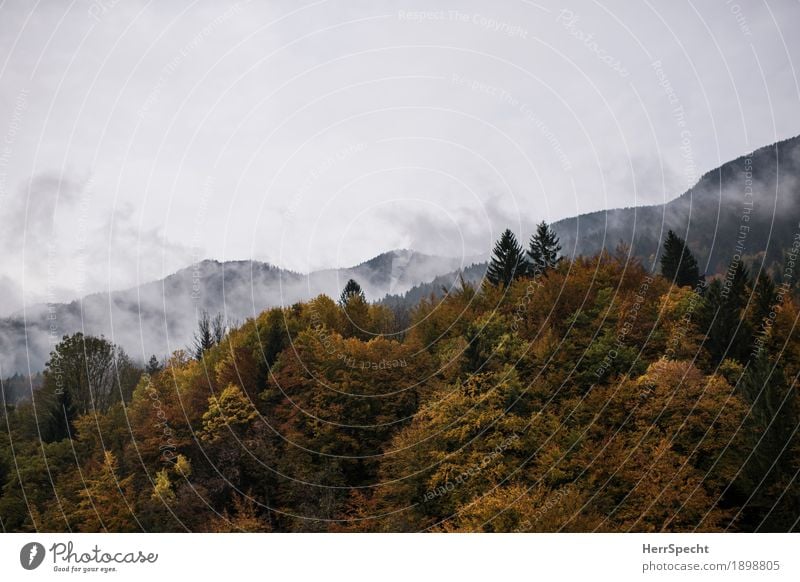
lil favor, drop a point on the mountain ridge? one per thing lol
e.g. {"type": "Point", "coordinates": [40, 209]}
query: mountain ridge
{"type": "Point", "coordinates": [164, 311]}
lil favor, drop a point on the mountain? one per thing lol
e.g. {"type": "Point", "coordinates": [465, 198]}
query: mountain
{"type": "Point", "coordinates": [160, 317]}
{"type": "Point", "coordinates": [749, 206]}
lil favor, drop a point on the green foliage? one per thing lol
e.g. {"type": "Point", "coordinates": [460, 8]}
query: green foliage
{"type": "Point", "coordinates": [597, 398]}
{"type": "Point", "coordinates": [508, 260]}
{"type": "Point", "coordinates": [543, 250]}
{"type": "Point", "coordinates": [677, 262]}
{"type": "Point", "coordinates": [351, 289]}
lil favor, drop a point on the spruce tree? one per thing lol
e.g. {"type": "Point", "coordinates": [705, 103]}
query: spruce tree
{"type": "Point", "coordinates": [771, 437]}
{"type": "Point", "coordinates": [508, 260]}
{"type": "Point", "coordinates": [765, 298]}
{"type": "Point", "coordinates": [204, 337]}
{"type": "Point", "coordinates": [677, 262]}
{"type": "Point", "coordinates": [351, 289]}
{"type": "Point", "coordinates": [728, 333]}
{"type": "Point", "coordinates": [543, 250]}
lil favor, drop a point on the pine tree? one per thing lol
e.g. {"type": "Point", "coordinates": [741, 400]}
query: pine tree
{"type": "Point", "coordinates": [351, 289]}
{"type": "Point", "coordinates": [767, 475]}
{"type": "Point", "coordinates": [677, 262]}
{"type": "Point", "coordinates": [204, 336]}
{"type": "Point", "coordinates": [543, 250]}
{"type": "Point", "coordinates": [728, 333]}
{"type": "Point", "coordinates": [508, 260]}
{"type": "Point", "coordinates": [765, 298]}
{"type": "Point", "coordinates": [218, 329]}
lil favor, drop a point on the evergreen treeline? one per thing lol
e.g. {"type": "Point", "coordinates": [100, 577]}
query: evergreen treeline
{"type": "Point", "coordinates": [581, 394]}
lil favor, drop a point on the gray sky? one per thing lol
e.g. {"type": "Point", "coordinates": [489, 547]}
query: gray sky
{"type": "Point", "coordinates": [136, 137]}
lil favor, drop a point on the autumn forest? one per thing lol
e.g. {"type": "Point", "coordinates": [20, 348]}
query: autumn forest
{"type": "Point", "coordinates": [559, 394]}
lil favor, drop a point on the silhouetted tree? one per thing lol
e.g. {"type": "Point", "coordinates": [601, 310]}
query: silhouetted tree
{"type": "Point", "coordinates": [508, 260]}
{"type": "Point", "coordinates": [218, 328]}
{"type": "Point", "coordinates": [153, 365]}
{"type": "Point", "coordinates": [204, 336]}
{"type": "Point", "coordinates": [84, 374]}
{"type": "Point", "coordinates": [722, 319]}
{"type": "Point", "coordinates": [677, 262]}
{"type": "Point", "coordinates": [773, 419]}
{"type": "Point", "coordinates": [351, 289]}
{"type": "Point", "coordinates": [764, 300]}
{"type": "Point", "coordinates": [543, 249]}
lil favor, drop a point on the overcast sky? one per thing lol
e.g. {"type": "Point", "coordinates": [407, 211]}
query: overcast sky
{"type": "Point", "coordinates": [138, 137]}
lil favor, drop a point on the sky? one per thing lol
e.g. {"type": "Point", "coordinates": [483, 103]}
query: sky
{"type": "Point", "coordinates": [137, 138]}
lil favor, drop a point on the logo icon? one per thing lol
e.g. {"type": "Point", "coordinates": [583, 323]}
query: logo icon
{"type": "Point", "coordinates": [31, 555]}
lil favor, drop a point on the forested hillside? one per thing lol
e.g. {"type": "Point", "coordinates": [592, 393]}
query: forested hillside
{"type": "Point", "coordinates": [584, 394]}
{"type": "Point", "coordinates": [161, 314]}
{"type": "Point", "coordinates": [748, 205]}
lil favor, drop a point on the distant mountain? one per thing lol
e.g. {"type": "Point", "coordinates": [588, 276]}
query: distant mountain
{"type": "Point", "coordinates": [749, 206]}
{"type": "Point", "coordinates": [160, 317]}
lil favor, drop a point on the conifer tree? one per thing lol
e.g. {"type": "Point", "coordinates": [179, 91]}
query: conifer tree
{"type": "Point", "coordinates": [765, 297]}
{"type": "Point", "coordinates": [508, 260]}
{"type": "Point", "coordinates": [677, 262]}
{"type": "Point", "coordinates": [728, 334]}
{"type": "Point", "coordinates": [204, 336]}
{"type": "Point", "coordinates": [351, 289]}
{"type": "Point", "coordinates": [543, 250]}
{"type": "Point", "coordinates": [153, 365]}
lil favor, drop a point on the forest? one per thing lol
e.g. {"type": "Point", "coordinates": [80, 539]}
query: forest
{"type": "Point", "coordinates": [562, 394]}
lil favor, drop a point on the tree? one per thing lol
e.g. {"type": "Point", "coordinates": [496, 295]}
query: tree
{"type": "Point", "coordinates": [153, 366]}
{"type": "Point", "coordinates": [728, 331]}
{"type": "Point", "coordinates": [105, 501]}
{"type": "Point", "coordinates": [209, 333]}
{"type": "Point", "coordinates": [229, 412]}
{"type": "Point", "coordinates": [508, 260]}
{"type": "Point", "coordinates": [765, 298]}
{"type": "Point", "coordinates": [351, 289]}
{"type": "Point", "coordinates": [218, 329]}
{"type": "Point", "coordinates": [84, 374]}
{"type": "Point", "coordinates": [543, 249]}
{"type": "Point", "coordinates": [772, 504]}
{"type": "Point", "coordinates": [677, 262]}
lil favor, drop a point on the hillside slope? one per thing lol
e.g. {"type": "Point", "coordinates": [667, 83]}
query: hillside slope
{"type": "Point", "coordinates": [749, 206]}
